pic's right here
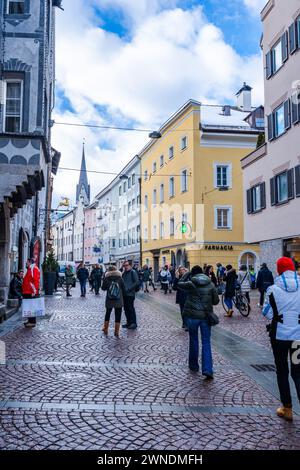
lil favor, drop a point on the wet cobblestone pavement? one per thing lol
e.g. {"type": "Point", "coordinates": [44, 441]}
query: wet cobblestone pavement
{"type": "Point", "coordinates": [66, 386]}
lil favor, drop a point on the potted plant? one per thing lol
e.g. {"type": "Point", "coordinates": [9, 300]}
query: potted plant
{"type": "Point", "coordinates": [50, 268]}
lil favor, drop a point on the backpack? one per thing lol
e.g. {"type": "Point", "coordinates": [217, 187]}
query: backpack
{"type": "Point", "coordinates": [114, 292]}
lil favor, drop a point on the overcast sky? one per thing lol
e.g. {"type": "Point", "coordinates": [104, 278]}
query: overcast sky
{"type": "Point", "coordinates": [135, 62]}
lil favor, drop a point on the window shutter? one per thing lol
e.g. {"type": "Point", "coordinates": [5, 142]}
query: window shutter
{"type": "Point", "coordinates": [291, 184]}
{"type": "Point", "coordinates": [297, 178]}
{"type": "Point", "coordinates": [287, 114]}
{"type": "Point", "coordinates": [285, 46]}
{"type": "Point", "coordinates": [270, 127]}
{"type": "Point", "coordinates": [249, 201]}
{"type": "Point", "coordinates": [295, 108]}
{"type": "Point", "coordinates": [273, 191]}
{"type": "Point", "coordinates": [269, 64]}
{"type": "Point", "coordinates": [292, 38]}
{"type": "Point", "coordinates": [263, 195]}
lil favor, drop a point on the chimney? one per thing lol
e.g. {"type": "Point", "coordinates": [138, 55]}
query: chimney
{"type": "Point", "coordinates": [226, 110]}
{"type": "Point", "coordinates": [244, 98]}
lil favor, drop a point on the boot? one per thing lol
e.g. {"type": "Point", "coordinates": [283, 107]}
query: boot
{"type": "Point", "coordinates": [117, 330]}
{"type": "Point", "coordinates": [229, 313]}
{"type": "Point", "coordinates": [285, 412]}
{"type": "Point", "coordinates": [105, 327]}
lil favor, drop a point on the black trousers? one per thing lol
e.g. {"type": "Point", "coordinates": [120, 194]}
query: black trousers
{"type": "Point", "coordinates": [282, 350]}
{"type": "Point", "coordinates": [262, 297]}
{"type": "Point", "coordinates": [129, 309]}
{"type": "Point", "coordinates": [97, 285]}
{"type": "Point", "coordinates": [118, 314]}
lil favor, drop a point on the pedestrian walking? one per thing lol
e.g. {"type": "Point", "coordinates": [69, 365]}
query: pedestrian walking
{"type": "Point", "coordinates": [230, 277]}
{"type": "Point", "coordinates": [220, 273]}
{"type": "Point", "coordinates": [201, 297]}
{"type": "Point", "coordinates": [151, 281]}
{"type": "Point", "coordinates": [265, 279]}
{"type": "Point", "coordinates": [132, 285]}
{"type": "Point", "coordinates": [173, 274]}
{"type": "Point", "coordinates": [282, 307]}
{"type": "Point", "coordinates": [165, 279]}
{"type": "Point", "coordinates": [244, 281]}
{"type": "Point", "coordinates": [114, 285]}
{"type": "Point", "coordinates": [82, 276]}
{"type": "Point", "coordinates": [31, 287]}
{"type": "Point", "coordinates": [209, 272]}
{"type": "Point", "coordinates": [69, 279]}
{"type": "Point", "coordinates": [96, 278]}
{"type": "Point", "coordinates": [146, 278]}
{"type": "Point", "coordinates": [181, 295]}
{"type": "Point", "coordinates": [253, 277]}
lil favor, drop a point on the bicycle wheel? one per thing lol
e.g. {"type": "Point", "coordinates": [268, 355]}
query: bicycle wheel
{"type": "Point", "coordinates": [223, 303]}
{"type": "Point", "coordinates": [242, 305]}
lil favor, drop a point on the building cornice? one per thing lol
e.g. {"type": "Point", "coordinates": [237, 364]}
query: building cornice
{"type": "Point", "coordinates": [267, 9]}
{"type": "Point", "coordinates": [252, 157]}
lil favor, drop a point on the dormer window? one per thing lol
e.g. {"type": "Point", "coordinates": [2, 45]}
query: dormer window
{"type": "Point", "coordinates": [16, 7]}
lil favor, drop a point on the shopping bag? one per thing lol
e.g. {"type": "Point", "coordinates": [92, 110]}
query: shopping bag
{"type": "Point", "coordinates": [34, 307]}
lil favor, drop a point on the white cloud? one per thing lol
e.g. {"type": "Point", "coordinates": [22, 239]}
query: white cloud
{"type": "Point", "coordinates": [172, 55]}
{"type": "Point", "coordinates": [255, 6]}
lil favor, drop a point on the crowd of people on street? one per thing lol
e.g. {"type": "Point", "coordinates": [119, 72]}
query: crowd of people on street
{"type": "Point", "coordinates": [197, 290]}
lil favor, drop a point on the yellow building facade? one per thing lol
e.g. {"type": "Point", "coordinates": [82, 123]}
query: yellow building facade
{"type": "Point", "coordinates": [191, 191]}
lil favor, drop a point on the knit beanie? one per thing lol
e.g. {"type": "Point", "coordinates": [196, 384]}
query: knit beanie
{"type": "Point", "coordinates": [285, 264]}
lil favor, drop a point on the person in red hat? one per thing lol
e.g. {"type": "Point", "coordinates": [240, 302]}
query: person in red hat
{"type": "Point", "coordinates": [282, 307]}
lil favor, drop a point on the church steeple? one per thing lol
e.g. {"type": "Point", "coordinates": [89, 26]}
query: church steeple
{"type": "Point", "coordinates": [83, 187]}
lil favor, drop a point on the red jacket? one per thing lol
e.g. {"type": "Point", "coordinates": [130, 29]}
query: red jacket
{"type": "Point", "coordinates": [31, 281]}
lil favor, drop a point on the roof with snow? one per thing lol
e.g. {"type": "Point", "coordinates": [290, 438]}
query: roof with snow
{"type": "Point", "coordinates": [214, 116]}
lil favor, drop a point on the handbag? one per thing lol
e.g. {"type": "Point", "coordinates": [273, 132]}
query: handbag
{"type": "Point", "coordinates": [33, 308]}
{"type": "Point", "coordinates": [213, 319]}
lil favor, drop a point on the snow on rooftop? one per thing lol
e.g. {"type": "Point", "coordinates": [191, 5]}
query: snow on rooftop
{"type": "Point", "coordinates": [214, 116]}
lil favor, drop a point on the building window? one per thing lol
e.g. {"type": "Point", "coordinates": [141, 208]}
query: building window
{"type": "Point", "coordinates": [113, 243]}
{"type": "Point", "coordinates": [133, 205]}
{"type": "Point", "coordinates": [133, 236]}
{"type": "Point", "coordinates": [172, 187]}
{"type": "Point", "coordinates": [154, 232]}
{"type": "Point", "coordinates": [124, 239]}
{"type": "Point", "coordinates": [171, 152]}
{"type": "Point", "coordinates": [279, 121]}
{"type": "Point", "coordinates": [129, 182]}
{"type": "Point", "coordinates": [184, 143]}
{"type": "Point", "coordinates": [120, 240]}
{"type": "Point", "coordinates": [256, 198]}
{"type": "Point", "coordinates": [277, 57]}
{"type": "Point", "coordinates": [138, 233]}
{"type": "Point", "coordinates": [146, 175]}
{"type": "Point", "coordinates": [13, 105]}
{"type": "Point", "coordinates": [222, 176]}
{"type": "Point", "coordinates": [154, 196]}
{"type": "Point", "coordinates": [260, 123]}
{"type": "Point", "coordinates": [172, 226]}
{"type": "Point", "coordinates": [223, 218]}
{"type": "Point", "coordinates": [161, 161]}
{"type": "Point", "coordinates": [154, 167]}
{"type": "Point", "coordinates": [146, 202]}
{"type": "Point", "coordinates": [282, 187]}
{"type": "Point", "coordinates": [162, 194]}
{"type": "Point", "coordinates": [120, 190]}
{"type": "Point", "coordinates": [145, 234]}
{"type": "Point", "coordinates": [129, 207]}
{"type": "Point", "coordinates": [124, 186]}
{"type": "Point", "coordinates": [129, 237]}
{"type": "Point", "coordinates": [133, 179]}
{"type": "Point", "coordinates": [16, 7]}
{"type": "Point", "coordinates": [162, 230]}
{"type": "Point", "coordinates": [124, 210]}
{"type": "Point", "coordinates": [184, 181]}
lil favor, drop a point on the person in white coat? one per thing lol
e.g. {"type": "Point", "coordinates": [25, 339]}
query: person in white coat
{"type": "Point", "coordinates": [244, 279]}
{"type": "Point", "coordinates": [282, 306]}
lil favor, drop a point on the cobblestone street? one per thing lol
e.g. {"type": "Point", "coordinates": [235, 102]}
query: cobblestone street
{"type": "Point", "coordinates": [66, 386]}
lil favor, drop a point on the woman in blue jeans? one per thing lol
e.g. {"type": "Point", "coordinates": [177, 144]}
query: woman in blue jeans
{"type": "Point", "coordinates": [201, 296]}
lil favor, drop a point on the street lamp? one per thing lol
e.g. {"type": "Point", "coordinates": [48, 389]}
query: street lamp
{"type": "Point", "coordinates": [221, 189]}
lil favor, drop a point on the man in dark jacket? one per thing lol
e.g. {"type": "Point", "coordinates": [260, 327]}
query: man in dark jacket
{"type": "Point", "coordinates": [96, 278]}
{"type": "Point", "coordinates": [132, 285]}
{"type": "Point", "coordinates": [201, 296]}
{"type": "Point", "coordinates": [82, 276]}
{"type": "Point", "coordinates": [264, 280]}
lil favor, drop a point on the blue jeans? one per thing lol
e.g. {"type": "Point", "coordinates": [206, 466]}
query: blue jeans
{"type": "Point", "coordinates": [228, 302]}
{"type": "Point", "coordinates": [207, 362]}
{"type": "Point", "coordinates": [83, 287]}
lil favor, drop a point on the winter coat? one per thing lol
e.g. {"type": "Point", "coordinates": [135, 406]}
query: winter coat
{"type": "Point", "coordinates": [96, 274]}
{"type": "Point", "coordinates": [82, 274]}
{"type": "Point", "coordinates": [69, 277]}
{"type": "Point", "coordinates": [110, 277]}
{"type": "Point", "coordinates": [201, 296]}
{"type": "Point", "coordinates": [212, 277]}
{"type": "Point", "coordinates": [264, 280]}
{"type": "Point", "coordinates": [15, 288]}
{"type": "Point", "coordinates": [181, 295]}
{"type": "Point", "coordinates": [230, 277]}
{"type": "Point", "coordinates": [165, 277]}
{"type": "Point", "coordinates": [146, 275]}
{"type": "Point", "coordinates": [286, 294]}
{"type": "Point", "coordinates": [31, 281]}
{"type": "Point", "coordinates": [245, 281]}
{"type": "Point", "coordinates": [131, 281]}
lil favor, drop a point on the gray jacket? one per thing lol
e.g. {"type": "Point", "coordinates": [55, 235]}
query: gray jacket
{"type": "Point", "coordinates": [201, 296]}
{"type": "Point", "coordinates": [131, 281]}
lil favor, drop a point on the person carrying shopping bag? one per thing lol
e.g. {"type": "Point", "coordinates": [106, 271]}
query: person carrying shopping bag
{"type": "Point", "coordinates": [114, 286]}
{"type": "Point", "coordinates": [31, 287]}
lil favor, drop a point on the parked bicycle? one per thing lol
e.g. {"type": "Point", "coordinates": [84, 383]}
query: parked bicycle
{"type": "Point", "coordinates": [240, 301]}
